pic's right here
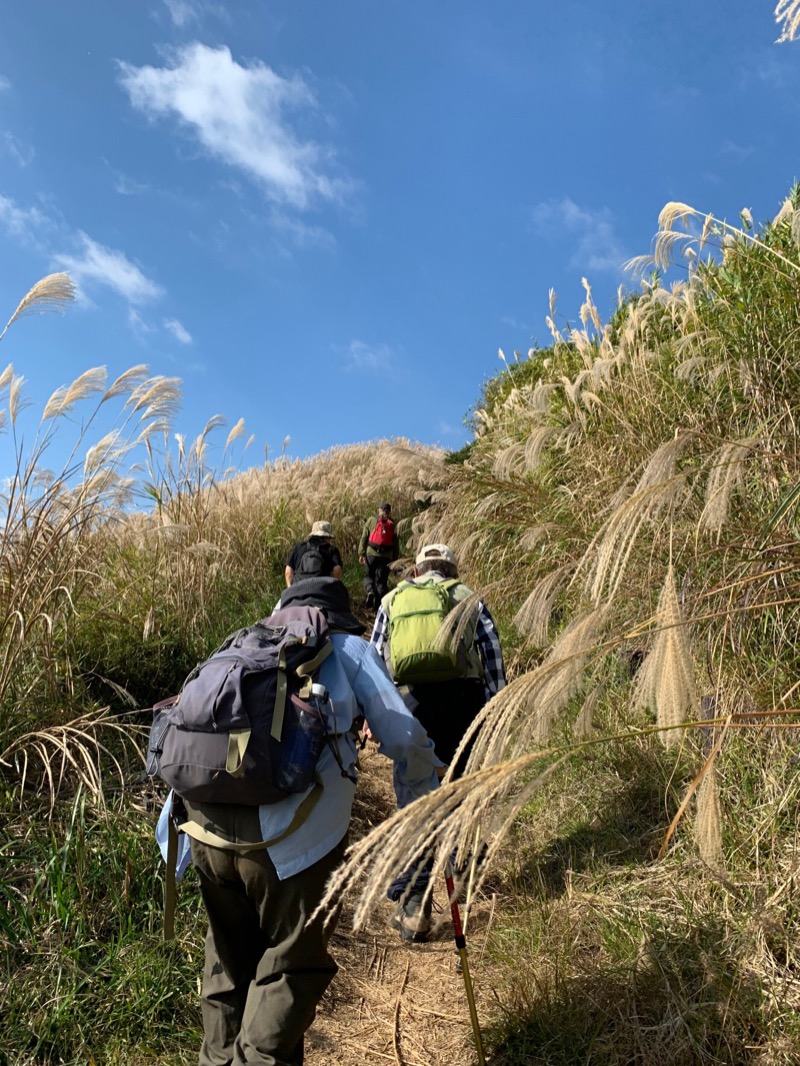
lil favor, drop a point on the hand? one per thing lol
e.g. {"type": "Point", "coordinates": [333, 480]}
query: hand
{"type": "Point", "coordinates": [366, 732]}
{"type": "Point", "coordinates": [362, 559]}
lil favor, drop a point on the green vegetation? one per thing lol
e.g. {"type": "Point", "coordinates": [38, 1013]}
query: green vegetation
{"type": "Point", "coordinates": [629, 506]}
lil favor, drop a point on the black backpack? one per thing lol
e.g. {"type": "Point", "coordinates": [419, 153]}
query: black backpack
{"type": "Point", "coordinates": [245, 727]}
{"type": "Point", "coordinates": [313, 562]}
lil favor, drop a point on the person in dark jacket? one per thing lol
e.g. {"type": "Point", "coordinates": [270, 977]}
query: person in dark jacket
{"type": "Point", "coordinates": [377, 550]}
{"type": "Point", "coordinates": [316, 557]}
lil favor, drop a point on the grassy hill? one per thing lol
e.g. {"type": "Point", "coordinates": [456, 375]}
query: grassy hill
{"type": "Point", "coordinates": [629, 509]}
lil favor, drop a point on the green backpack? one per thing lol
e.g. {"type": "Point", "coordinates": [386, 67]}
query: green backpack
{"type": "Point", "coordinates": [416, 615]}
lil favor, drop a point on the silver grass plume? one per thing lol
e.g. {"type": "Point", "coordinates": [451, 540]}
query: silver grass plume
{"type": "Point", "coordinates": [15, 402]}
{"type": "Point", "coordinates": [126, 381]}
{"type": "Point", "coordinates": [52, 293]}
{"type": "Point", "coordinates": [665, 681]}
{"type": "Point", "coordinates": [533, 617]}
{"type": "Point", "coordinates": [237, 431]}
{"type": "Point", "coordinates": [436, 825]}
{"type": "Point", "coordinates": [786, 212]}
{"type": "Point", "coordinates": [708, 820]}
{"type": "Point", "coordinates": [542, 394]}
{"type": "Point", "coordinates": [607, 555]}
{"type": "Point", "coordinates": [109, 449]}
{"type": "Point", "coordinates": [788, 13]}
{"type": "Point", "coordinates": [64, 399]}
{"type": "Point", "coordinates": [455, 624]}
{"type": "Point", "coordinates": [508, 460]}
{"type": "Point", "coordinates": [583, 725]}
{"type": "Point", "coordinates": [522, 714]}
{"type": "Point", "coordinates": [538, 439]}
{"type": "Point", "coordinates": [726, 476]}
{"type": "Point", "coordinates": [532, 538]}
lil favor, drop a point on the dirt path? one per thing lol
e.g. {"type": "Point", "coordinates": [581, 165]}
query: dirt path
{"type": "Point", "coordinates": [392, 1002]}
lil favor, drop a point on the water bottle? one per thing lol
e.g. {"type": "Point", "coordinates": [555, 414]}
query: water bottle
{"type": "Point", "coordinates": [304, 729]}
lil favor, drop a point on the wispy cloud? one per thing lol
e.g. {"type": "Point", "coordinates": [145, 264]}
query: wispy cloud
{"type": "Point", "coordinates": [241, 116]}
{"type": "Point", "coordinates": [4, 83]}
{"type": "Point", "coordinates": [138, 324]}
{"type": "Point", "coordinates": [178, 330]}
{"type": "Point", "coordinates": [739, 152]}
{"type": "Point", "coordinates": [97, 265]}
{"type": "Point", "coordinates": [22, 154]}
{"type": "Point", "coordinates": [368, 358]}
{"type": "Point", "coordinates": [126, 186]}
{"type": "Point", "coordinates": [515, 323]}
{"type": "Point", "coordinates": [588, 234]}
{"type": "Point", "coordinates": [185, 12]}
{"type": "Point", "coordinates": [299, 233]}
{"type": "Point", "coordinates": [21, 222]}
{"type": "Point", "coordinates": [180, 11]}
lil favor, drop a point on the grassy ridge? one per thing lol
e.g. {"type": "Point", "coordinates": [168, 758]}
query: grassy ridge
{"type": "Point", "coordinates": [640, 480]}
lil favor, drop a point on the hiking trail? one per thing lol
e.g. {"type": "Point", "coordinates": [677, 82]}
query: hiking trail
{"type": "Point", "coordinates": [397, 1003]}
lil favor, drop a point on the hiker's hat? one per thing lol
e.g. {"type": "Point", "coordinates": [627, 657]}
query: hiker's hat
{"type": "Point", "coordinates": [435, 551]}
{"type": "Point", "coordinates": [330, 595]}
{"type": "Point", "coordinates": [321, 529]}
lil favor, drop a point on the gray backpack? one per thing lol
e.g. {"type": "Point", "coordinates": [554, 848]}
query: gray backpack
{"type": "Point", "coordinates": [245, 727]}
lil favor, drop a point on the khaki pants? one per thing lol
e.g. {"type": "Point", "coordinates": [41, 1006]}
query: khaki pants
{"type": "Point", "coordinates": [265, 971]}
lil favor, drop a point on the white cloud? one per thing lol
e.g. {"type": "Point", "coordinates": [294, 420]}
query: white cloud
{"type": "Point", "coordinates": [4, 83]}
{"type": "Point", "coordinates": [180, 11]}
{"type": "Point", "coordinates": [126, 186]}
{"type": "Point", "coordinates": [107, 266]}
{"type": "Point", "coordinates": [184, 12]}
{"type": "Point", "coordinates": [22, 154]}
{"type": "Point", "coordinates": [239, 115]}
{"type": "Point", "coordinates": [138, 324]}
{"type": "Point", "coordinates": [178, 330]}
{"type": "Point", "coordinates": [738, 152]}
{"type": "Point", "coordinates": [590, 234]}
{"type": "Point", "coordinates": [20, 222]}
{"type": "Point", "coordinates": [361, 357]}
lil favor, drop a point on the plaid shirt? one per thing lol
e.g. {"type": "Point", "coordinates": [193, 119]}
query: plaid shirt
{"type": "Point", "coordinates": [486, 639]}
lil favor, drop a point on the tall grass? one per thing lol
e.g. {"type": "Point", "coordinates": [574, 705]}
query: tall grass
{"type": "Point", "coordinates": [631, 502]}
{"type": "Point", "coordinates": [629, 508]}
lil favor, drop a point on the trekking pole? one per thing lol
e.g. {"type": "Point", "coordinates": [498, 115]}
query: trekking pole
{"type": "Point", "coordinates": [461, 948]}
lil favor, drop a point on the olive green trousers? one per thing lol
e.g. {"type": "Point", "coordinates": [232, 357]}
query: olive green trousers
{"type": "Point", "coordinates": [265, 968]}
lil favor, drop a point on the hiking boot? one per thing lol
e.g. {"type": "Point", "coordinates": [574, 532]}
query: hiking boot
{"type": "Point", "coordinates": [413, 920]}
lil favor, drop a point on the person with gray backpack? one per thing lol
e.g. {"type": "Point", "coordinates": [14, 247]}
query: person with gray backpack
{"type": "Point", "coordinates": [261, 742]}
{"type": "Point", "coordinates": [444, 687]}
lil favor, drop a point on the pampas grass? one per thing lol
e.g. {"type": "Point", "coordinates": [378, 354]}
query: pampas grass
{"type": "Point", "coordinates": [665, 682]}
{"type": "Point", "coordinates": [787, 15]}
{"type": "Point", "coordinates": [52, 293]}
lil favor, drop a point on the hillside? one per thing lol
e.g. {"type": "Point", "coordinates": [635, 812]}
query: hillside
{"type": "Point", "coordinates": [628, 508]}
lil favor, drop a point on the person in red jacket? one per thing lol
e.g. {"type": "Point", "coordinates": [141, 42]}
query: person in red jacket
{"type": "Point", "coordinates": [377, 550]}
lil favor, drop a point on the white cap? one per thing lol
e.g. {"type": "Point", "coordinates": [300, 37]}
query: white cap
{"type": "Point", "coordinates": [435, 551]}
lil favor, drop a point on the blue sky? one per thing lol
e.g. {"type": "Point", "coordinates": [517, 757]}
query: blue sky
{"type": "Point", "coordinates": [327, 218]}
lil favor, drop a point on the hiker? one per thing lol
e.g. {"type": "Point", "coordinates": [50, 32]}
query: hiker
{"type": "Point", "coordinates": [317, 556]}
{"type": "Point", "coordinates": [444, 690]}
{"type": "Point", "coordinates": [266, 960]}
{"type": "Point", "coordinates": [377, 550]}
